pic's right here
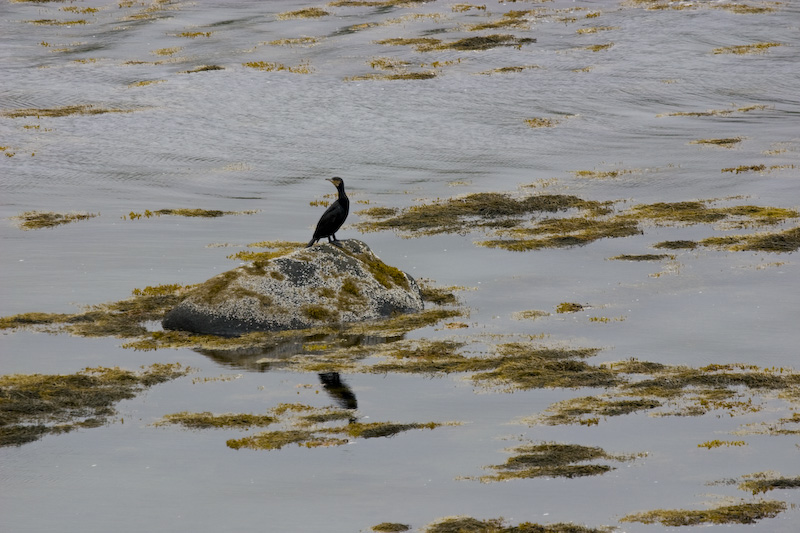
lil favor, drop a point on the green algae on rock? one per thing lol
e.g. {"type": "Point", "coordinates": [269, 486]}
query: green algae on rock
{"type": "Point", "coordinates": [32, 406]}
{"type": "Point", "coordinates": [47, 219]}
{"type": "Point", "coordinates": [742, 513]}
{"type": "Point", "coordinates": [322, 285]}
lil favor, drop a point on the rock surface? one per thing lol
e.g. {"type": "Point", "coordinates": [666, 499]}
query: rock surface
{"type": "Point", "coordinates": [315, 286]}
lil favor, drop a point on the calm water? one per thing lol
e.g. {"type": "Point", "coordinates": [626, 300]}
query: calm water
{"type": "Point", "coordinates": [241, 138]}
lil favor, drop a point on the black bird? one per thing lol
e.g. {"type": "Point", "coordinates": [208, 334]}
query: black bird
{"type": "Point", "coordinates": [333, 217]}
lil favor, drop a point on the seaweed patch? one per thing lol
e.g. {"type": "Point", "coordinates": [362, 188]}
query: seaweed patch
{"type": "Point", "coordinates": [389, 527]}
{"type": "Point", "coordinates": [303, 425]}
{"type": "Point", "coordinates": [47, 219]}
{"type": "Point", "coordinates": [550, 459]}
{"type": "Point", "coordinates": [762, 482]}
{"type": "Point", "coordinates": [755, 48]}
{"type": "Point", "coordinates": [742, 513]}
{"type": "Point", "coordinates": [664, 390]}
{"type": "Point", "coordinates": [728, 142]}
{"type": "Point", "coordinates": [304, 67]}
{"type": "Point", "coordinates": [63, 111]}
{"type": "Point", "coordinates": [35, 405]}
{"type": "Point", "coordinates": [186, 212]}
{"type": "Point", "coordinates": [467, 524]}
{"type": "Point", "coordinates": [485, 42]}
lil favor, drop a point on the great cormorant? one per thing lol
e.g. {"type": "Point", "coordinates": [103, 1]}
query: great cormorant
{"type": "Point", "coordinates": [333, 217]}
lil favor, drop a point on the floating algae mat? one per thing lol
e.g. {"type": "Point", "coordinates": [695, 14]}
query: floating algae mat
{"type": "Point", "coordinates": [64, 111]}
{"type": "Point", "coordinates": [127, 319]}
{"type": "Point", "coordinates": [48, 219]}
{"type": "Point", "coordinates": [665, 390]}
{"type": "Point", "coordinates": [467, 524]}
{"type": "Point", "coordinates": [742, 513]}
{"type": "Point", "coordinates": [485, 42]}
{"type": "Point", "coordinates": [304, 425]}
{"type": "Point", "coordinates": [507, 217]}
{"type": "Point", "coordinates": [550, 459]}
{"type": "Point", "coordinates": [32, 406]}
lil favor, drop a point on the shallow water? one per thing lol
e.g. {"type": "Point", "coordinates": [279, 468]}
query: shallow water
{"type": "Point", "coordinates": [240, 139]}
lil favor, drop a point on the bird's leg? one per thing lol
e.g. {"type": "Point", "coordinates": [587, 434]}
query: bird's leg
{"type": "Point", "coordinates": [336, 242]}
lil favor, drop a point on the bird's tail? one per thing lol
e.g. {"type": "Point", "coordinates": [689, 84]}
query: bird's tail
{"type": "Point", "coordinates": [311, 243]}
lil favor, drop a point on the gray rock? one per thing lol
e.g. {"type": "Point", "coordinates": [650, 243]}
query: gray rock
{"type": "Point", "coordinates": [315, 286]}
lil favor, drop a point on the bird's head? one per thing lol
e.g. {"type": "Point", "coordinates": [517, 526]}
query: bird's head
{"type": "Point", "coordinates": [336, 182]}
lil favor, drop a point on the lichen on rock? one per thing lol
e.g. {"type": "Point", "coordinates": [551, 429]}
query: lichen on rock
{"type": "Point", "coordinates": [310, 287]}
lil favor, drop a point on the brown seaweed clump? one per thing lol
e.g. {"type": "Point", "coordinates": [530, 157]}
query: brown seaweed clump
{"type": "Point", "coordinates": [549, 459]}
{"type": "Point", "coordinates": [483, 210]}
{"type": "Point", "coordinates": [467, 524]}
{"type": "Point", "coordinates": [304, 425]}
{"type": "Point", "coordinates": [187, 212]}
{"type": "Point", "coordinates": [64, 111]}
{"type": "Point", "coordinates": [742, 513]}
{"type": "Point", "coordinates": [32, 406]}
{"type": "Point", "coordinates": [47, 219]}
{"type": "Point", "coordinates": [673, 391]}
{"type": "Point", "coordinates": [478, 43]}
{"type": "Point", "coordinates": [761, 482]}
{"type": "Point", "coordinates": [508, 219]}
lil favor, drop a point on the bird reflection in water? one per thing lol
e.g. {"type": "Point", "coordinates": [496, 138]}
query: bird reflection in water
{"type": "Point", "coordinates": [339, 391]}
